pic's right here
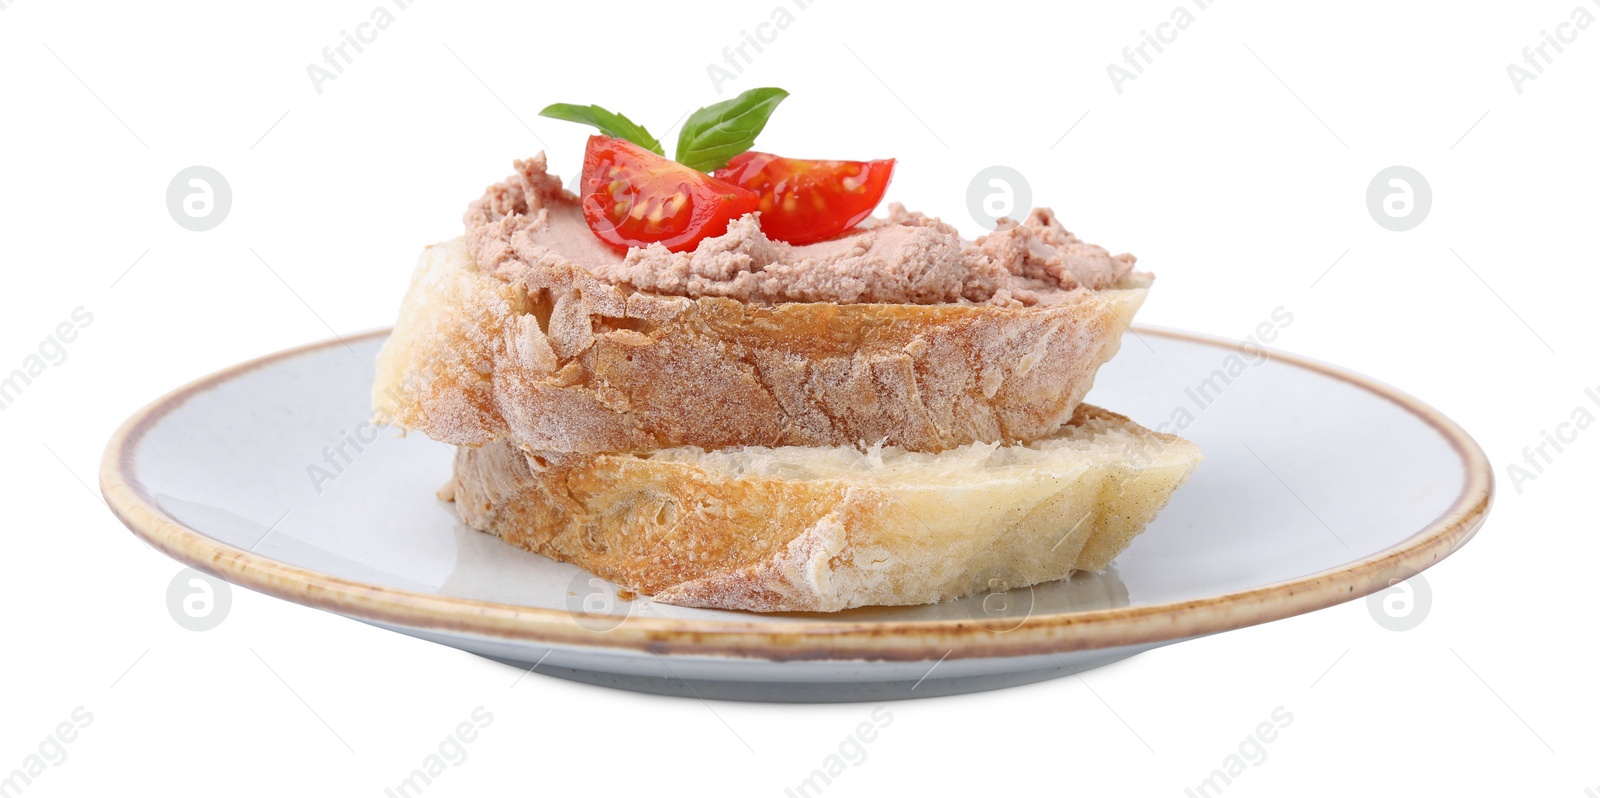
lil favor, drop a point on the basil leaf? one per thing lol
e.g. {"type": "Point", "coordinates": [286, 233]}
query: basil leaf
{"type": "Point", "coordinates": [716, 133]}
{"type": "Point", "coordinates": [610, 124]}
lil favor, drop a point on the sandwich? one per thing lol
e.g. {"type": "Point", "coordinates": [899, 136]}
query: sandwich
{"type": "Point", "coordinates": [719, 380]}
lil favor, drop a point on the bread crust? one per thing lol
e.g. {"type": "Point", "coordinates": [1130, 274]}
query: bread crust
{"type": "Point", "coordinates": [692, 530]}
{"type": "Point", "coordinates": [562, 362]}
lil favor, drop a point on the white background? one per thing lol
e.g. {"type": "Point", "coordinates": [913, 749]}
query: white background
{"type": "Point", "coordinates": [1235, 166]}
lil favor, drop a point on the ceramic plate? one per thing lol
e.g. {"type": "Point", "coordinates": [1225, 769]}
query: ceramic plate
{"type": "Point", "coordinates": [1319, 486]}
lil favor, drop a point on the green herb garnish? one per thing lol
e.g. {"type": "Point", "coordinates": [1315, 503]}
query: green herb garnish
{"type": "Point", "coordinates": [710, 137]}
{"type": "Point", "coordinates": [716, 133]}
{"type": "Point", "coordinates": [610, 124]}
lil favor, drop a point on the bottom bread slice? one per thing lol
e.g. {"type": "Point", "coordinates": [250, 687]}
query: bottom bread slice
{"type": "Point", "coordinates": [821, 529]}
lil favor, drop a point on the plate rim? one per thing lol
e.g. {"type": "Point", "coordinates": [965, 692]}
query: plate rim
{"type": "Point", "coordinates": [811, 639]}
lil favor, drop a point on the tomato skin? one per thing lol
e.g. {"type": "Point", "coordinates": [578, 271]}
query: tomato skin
{"type": "Point", "coordinates": [634, 198]}
{"type": "Point", "coordinates": [804, 201]}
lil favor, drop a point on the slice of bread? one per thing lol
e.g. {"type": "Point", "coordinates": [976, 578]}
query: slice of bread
{"type": "Point", "coordinates": [563, 362]}
{"type": "Point", "coordinates": [821, 529]}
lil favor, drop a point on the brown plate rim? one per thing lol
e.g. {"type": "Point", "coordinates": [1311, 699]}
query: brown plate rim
{"type": "Point", "coordinates": [811, 639]}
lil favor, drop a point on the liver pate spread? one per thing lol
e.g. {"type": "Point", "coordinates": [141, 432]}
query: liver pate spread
{"type": "Point", "coordinates": [529, 221]}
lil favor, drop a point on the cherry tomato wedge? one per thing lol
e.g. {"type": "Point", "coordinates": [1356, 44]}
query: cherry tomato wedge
{"type": "Point", "coordinates": [804, 201]}
{"type": "Point", "coordinates": [633, 198]}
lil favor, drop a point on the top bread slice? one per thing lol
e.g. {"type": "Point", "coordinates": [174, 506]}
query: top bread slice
{"type": "Point", "coordinates": [560, 361]}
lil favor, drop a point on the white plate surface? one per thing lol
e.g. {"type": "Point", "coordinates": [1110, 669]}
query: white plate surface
{"type": "Point", "coordinates": [1319, 486]}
